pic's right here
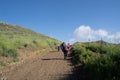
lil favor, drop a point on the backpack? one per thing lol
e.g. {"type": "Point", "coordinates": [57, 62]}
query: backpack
{"type": "Point", "coordinates": [63, 47]}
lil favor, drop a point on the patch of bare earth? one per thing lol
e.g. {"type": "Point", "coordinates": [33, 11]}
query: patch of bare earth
{"type": "Point", "coordinates": [50, 66]}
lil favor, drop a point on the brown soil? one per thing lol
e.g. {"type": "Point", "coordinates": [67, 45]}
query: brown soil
{"type": "Point", "coordinates": [50, 66]}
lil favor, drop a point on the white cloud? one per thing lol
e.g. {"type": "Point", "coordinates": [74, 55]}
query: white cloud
{"type": "Point", "coordinates": [85, 33]}
{"type": "Point", "coordinates": [102, 33]}
{"type": "Point", "coordinates": [115, 37]}
{"type": "Point", "coordinates": [72, 40]}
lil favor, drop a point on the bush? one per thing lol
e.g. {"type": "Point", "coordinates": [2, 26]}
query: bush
{"type": "Point", "coordinates": [100, 63]}
{"type": "Point", "coordinates": [8, 50]}
{"type": "Point", "coordinates": [100, 68]}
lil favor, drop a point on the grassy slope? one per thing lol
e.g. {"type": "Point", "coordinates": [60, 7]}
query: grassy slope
{"type": "Point", "coordinates": [100, 60]}
{"type": "Point", "coordinates": [14, 37]}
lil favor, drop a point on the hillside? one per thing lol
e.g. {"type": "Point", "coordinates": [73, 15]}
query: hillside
{"type": "Point", "coordinates": [14, 39]}
{"type": "Point", "coordinates": [97, 60]}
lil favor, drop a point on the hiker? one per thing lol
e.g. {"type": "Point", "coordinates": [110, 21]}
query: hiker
{"type": "Point", "coordinates": [68, 48]}
{"type": "Point", "coordinates": [58, 47]}
{"type": "Point", "coordinates": [64, 49]}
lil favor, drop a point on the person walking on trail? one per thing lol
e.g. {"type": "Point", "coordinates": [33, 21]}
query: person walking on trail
{"type": "Point", "coordinates": [64, 49]}
{"type": "Point", "coordinates": [58, 47]}
{"type": "Point", "coordinates": [68, 48]}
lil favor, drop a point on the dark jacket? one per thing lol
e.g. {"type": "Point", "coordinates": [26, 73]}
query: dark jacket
{"type": "Point", "coordinates": [63, 47]}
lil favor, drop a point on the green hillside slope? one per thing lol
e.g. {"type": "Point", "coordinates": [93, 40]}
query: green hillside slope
{"type": "Point", "coordinates": [14, 37]}
{"type": "Point", "coordinates": [100, 60]}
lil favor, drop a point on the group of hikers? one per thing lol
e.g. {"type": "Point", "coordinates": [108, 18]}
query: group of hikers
{"type": "Point", "coordinates": [65, 48]}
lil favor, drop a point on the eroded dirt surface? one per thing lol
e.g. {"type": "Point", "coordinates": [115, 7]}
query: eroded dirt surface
{"type": "Point", "coordinates": [50, 66]}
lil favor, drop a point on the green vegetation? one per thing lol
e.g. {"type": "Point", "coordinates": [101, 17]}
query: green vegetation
{"type": "Point", "coordinates": [2, 64]}
{"type": "Point", "coordinates": [14, 37]}
{"type": "Point", "coordinates": [101, 61]}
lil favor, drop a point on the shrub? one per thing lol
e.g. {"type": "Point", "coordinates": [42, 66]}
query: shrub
{"type": "Point", "coordinates": [8, 50]}
{"type": "Point", "coordinates": [97, 65]}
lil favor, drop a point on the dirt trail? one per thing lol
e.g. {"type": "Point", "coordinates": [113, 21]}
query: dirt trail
{"type": "Point", "coordinates": [51, 66]}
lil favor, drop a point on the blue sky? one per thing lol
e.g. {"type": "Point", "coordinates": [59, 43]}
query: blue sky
{"type": "Point", "coordinates": [65, 20]}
